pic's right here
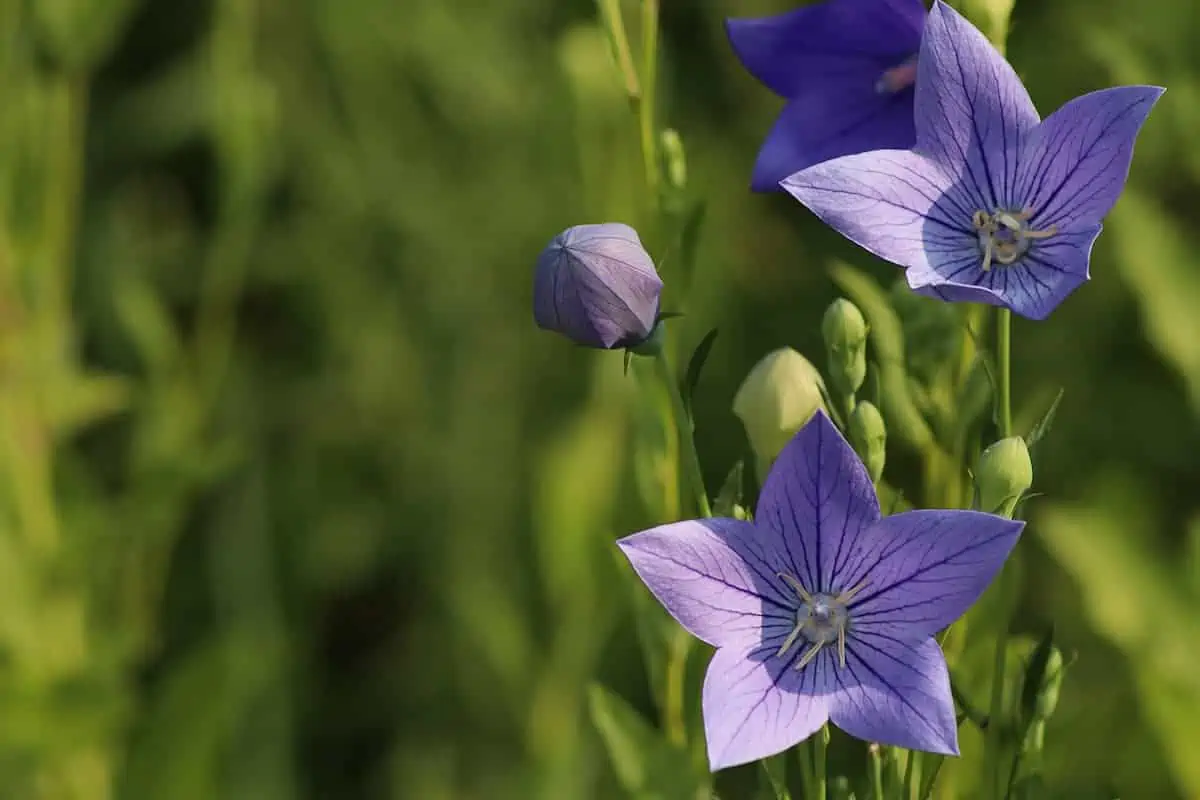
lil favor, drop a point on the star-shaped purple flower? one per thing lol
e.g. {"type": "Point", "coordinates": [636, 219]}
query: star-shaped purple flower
{"type": "Point", "coordinates": [819, 609]}
{"type": "Point", "coordinates": [990, 205]}
{"type": "Point", "coordinates": [846, 68]}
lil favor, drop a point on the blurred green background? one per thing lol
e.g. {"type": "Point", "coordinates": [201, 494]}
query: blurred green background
{"type": "Point", "coordinates": [296, 500]}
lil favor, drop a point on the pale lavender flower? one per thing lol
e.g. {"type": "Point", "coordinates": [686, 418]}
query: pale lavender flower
{"type": "Point", "coordinates": [597, 285]}
{"type": "Point", "coordinates": [991, 205]}
{"type": "Point", "coordinates": [819, 609]}
{"type": "Point", "coordinates": [846, 68]}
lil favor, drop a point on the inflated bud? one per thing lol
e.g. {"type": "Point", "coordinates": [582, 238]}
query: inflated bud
{"type": "Point", "coordinates": [869, 437]}
{"type": "Point", "coordinates": [845, 333]}
{"type": "Point", "coordinates": [1003, 473]}
{"type": "Point", "coordinates": [776, 399]}
{"type": "Point", "coordinates": [596, 285]}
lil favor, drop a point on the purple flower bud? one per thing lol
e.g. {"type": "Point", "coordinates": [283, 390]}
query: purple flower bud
{"type": "Point", "coordinates": [596, 285]}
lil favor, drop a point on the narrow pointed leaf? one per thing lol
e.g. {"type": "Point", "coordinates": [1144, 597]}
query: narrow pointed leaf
{"type": "Point", "coordinates": [695, 365]}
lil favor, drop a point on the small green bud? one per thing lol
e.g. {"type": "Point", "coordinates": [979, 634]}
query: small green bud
{"type": "Point", "coordinates": [776, 399]}
{"type": "Point", "coordinates": [1003, 474]}
{"type": "Point", "coordinates": [740, 512]}
{"type": "Point", "coordinates": [674, 158]}
{"type": "Point", "coordinates": [868, 434]}
{"type": "Point", "coordinates": [1043, 680]}
{"type": "Point", "coordinates": [845, 333]}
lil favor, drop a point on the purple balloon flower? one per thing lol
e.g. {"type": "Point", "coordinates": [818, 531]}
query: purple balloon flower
{"type": "Point", "coordinates": [991, 205]}
{"type": "Point", "coordinates": [596, 285]}
{"type": "Point", "coordinates": [820, 610]}
{"type": "Point", "coordinates": [846, 68]}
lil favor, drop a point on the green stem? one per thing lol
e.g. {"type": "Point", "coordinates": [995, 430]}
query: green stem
{"type": "Point", "coordinates": [912, 776]}
{"type": "Point", "coordinates": [820, 742]}
{"type": "Point", "coordinates": [1003, 361]}
{"type": "Point", "coordinates": [676, 672]}
{"type": "Point", "coordinates": [687, 441]}
{"type": "Point", "coordinates": [996, 706]}
{"type": "Point", "coordinates": [807, 779]}
{"type": "Point", "coordinates": [646, 106]}
{"type": "Point", "coordinates": [614, 23]}
{"type": "Point", "coordinates": [876, 756]}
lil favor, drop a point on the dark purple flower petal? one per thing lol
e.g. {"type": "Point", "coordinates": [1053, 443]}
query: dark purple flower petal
{"type": "Point", "coordinates": [898, 204]}
{"type": "Point", "coordinates": [828, 60]}
{"type": "Point", "coordinates": [756, 704]}
{"type": "Point", "coordinates": [717, 577]}
{"type": "Point", "coordinates": [923, 569]}
{"type": "Point", "coordinates": [791, 51]}
{"type": "Point", "coordinates": [1032, 287]}
{"type": "Point", "coordinates": [816, 499]}
{"type": "Point", "coordinates": [833, 119]}
{"type": "Point", "coordinates": [896, 691]}
{"type": "Point", "coordinates": [972, 111]}
{"type": "Point", "coordinates": [596, 285]}
{"type": "Point", "coordinates": [1076, 162]}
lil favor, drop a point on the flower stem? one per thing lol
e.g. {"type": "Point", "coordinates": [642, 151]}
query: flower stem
{"type": "Point", "coordinates": [1003, 367]}
{"type": "Point", "coordinates": [819, 747]}
{"type": "Point", "coordinates": [912, 776]}
{"type": "Point", "coordinates": [995, 707]}
{"type": "Point", "coordinates": [876, 756]}
{"type": "Point", "coordinates": [687, 441]}
{"type": "Point", "coordinates": [646, 107]}
{"type": "Point", "coordinates": [676, 668]}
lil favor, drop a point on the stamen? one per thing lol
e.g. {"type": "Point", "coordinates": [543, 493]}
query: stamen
{"type": "Point", "coordinates": [842, 647]}
{"type": "Point", "coordinates": [796, 587]}
{"type": "Point", "coordinates": [848, 595]}
{"type": "Point", "coordinates": [809, 655]}
{"type": "Point", "coordinates": [1004, 236]}
{"type": "Point", "coordinates": [791, 639]}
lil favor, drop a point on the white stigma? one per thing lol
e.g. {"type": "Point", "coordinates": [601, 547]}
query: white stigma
{"type": "Point", "coordinates": [1004, 236]}
{"type": "Point", "coordinates": [821, 619]}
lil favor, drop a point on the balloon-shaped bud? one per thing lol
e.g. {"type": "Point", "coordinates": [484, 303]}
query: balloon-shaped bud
{"type": "Point", "coordinates": [1003, 474]}
{"type": "Point", "coordinates": [845, 333]}
{"type": "Point", "coordinates": [868, 434]}
{"type": "Point", "coordinates": [596, 285]}
{"type": "Point", "coordinates": [776, 399]}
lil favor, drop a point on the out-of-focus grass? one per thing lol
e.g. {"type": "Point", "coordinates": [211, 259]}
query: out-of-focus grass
{"type": "Point", "coordinates": [295, 501]}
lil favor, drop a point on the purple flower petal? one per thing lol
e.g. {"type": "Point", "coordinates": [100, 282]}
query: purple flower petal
{"type": "Point", "coordinates": [832, 119]}
{"type": "Point", "coordinates": [924, 569]}
{"type": "Point", "coordinates": [816, 499]}
{"type": "Point", "coordinates": [1075, 164]}
{"type": "Point", "coordinates": [898, 204]}
{"type": "Point", "coordinates": [596, 285]}
{"type": "Point", "coordinates": [828, 59]}
{"type": "Point", "coordinates": [896, 691]}
{"type": "Point", "coordinates": [972, 111]}
{"type": "Point", "coordinates": [717, 577]}
{"type": "Point", "coordinates": [1033, 287]}
{"type": "Point", "coordinates": [756, 705]}
{"type": "Point", "coordinates": [813, 44]}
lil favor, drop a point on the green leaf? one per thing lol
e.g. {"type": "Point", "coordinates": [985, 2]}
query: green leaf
{"type": "Point", "coordinates": [1043, 425]}
{"type": "Point", "coordinates": [695, 365]}
{"type": "Point", "coordinates": [775, 769]}
{"type": "Point", "coordinates": [730, 494]}
{"type": "Point", "coordinates": [647, 766]}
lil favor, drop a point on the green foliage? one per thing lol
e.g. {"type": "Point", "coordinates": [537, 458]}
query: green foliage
{"type": "Point", "coordinates": [295, 501]}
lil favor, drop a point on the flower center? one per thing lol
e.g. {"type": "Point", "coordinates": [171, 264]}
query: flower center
{"type": "Point", "coordinates": [1005, 236]}
{"type": "Point", "coordinates": [899, 77]}
{"type": "Point", "coordinates": [821, 619]}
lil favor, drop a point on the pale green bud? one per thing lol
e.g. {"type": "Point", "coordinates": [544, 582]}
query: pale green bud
{"type": "Point", "coordinates": [845, 333]}
{"type": "Point", "coordinates": [1003, 474]}
{"type": "Point", "coordinates": [674, 158]}
{"type": "Point", "coordinates": [991, 17]}
{"type": "Point", "coordinates": [869, 437]}
{"type": "Point", "coordinates": [776, 399]}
